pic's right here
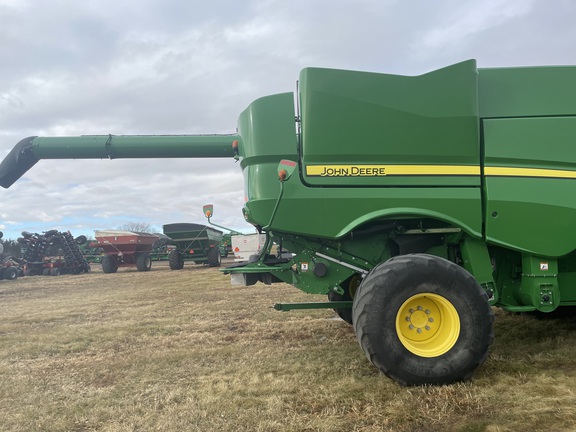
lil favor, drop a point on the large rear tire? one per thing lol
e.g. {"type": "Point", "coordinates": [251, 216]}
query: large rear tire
{"type": "Point", "coordinates": [143, 262]}
{"type": "Point", "coordinates": [175, 260]}
{"type": "Point", "coordinates": [109, 264]}
{"type": "Point", "coordinates": [10, 273]}
{"type": "Point", "coordinates": [422, 319]}
{"type": "Point", "coordinates": [214, 258]}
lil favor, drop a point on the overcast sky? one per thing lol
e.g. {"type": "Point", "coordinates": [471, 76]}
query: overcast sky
{"type": "Point", "coordinates": [186, 67]}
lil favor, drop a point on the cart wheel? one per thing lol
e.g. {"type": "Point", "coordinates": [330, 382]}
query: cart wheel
{"type": "Point", "coordinates": [46, 272]}
{"type": "Point", "coordinates": [55, 271]}
{"type": "Point", "coordinates": [175, 260]}
{"type": "Point", "coordinates": [214, 257]}
{"type": "Point", "coordinates": [143, 262]}
{"type": "Point", "coordinates": [350, 286]}
{"type": "Point", "coordinates": [422, 319]}
{"type": "Point", "coordinates": [9, 273]}
{"type": "Point", "coordinates": [109, 264]}
{"type": "Point", "coordinates": [80, 240]}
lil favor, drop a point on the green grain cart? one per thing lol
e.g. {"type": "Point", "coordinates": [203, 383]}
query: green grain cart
{"type": "Point", "coordinates": [195, 243]}
{"type": "Point", "coordinates": [414, 203]}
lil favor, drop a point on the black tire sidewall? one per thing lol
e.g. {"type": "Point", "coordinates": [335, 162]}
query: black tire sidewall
{"type": "Point", "coordinates": [175, 260]}
{"type": "Point", "coordinates": [345, 314]}
{"type": "Point", "coordinates": [213, 257]}
{"type": "Point", "coordinates": [390, 285]}
{"type": "Point", "coordinates": [10, 273]}
{"type": "Point", "coordinates": [109, 264]}
{"type": "Point", "coordinates": [143, 262]}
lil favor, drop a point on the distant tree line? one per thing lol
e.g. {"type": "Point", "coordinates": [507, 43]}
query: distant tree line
{"type": "Point", "coordinates": [143, 227]}
{"type": "Point", "coordinates": [11, 247]}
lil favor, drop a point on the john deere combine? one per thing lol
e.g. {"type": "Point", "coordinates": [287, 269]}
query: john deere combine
{"type": "Point", "coordinates": [414, 203]}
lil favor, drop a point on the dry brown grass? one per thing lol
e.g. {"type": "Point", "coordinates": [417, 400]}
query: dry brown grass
{"type": "Point", "coordinates": [185, 351]}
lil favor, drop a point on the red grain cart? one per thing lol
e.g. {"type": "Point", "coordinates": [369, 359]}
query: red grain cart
{"type": "Point", "coordinates": [124, 249]}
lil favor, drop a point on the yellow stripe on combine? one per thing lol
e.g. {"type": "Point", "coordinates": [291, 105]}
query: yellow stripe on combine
{"type": "Point", "coordinates": [528, 172]}
{"type": "Point", "coordinates": [431, 170]}
{"type": "Point", "coordinates": [388, 170]}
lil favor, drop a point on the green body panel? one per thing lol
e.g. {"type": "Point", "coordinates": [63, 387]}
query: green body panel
{"type": "Point", "coordinates": [359, 118]}
{"type": "Point", "coordinates": [269, 135]}
{"type": "Point", "coordinates": [529, 213]}
{"type": "Point", "coordinates": [474, 165]}
{"type": "Point", "coordinates": [527, 91]}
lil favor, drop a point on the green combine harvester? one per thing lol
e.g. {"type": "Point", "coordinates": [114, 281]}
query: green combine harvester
{"type": "Point", "coordinates": [415, 203]}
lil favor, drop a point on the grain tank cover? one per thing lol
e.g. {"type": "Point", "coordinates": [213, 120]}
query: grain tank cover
{"type": "Point", "coordinates": [538, 91]}
{"type": "Point", "coordinates": [373, 129]}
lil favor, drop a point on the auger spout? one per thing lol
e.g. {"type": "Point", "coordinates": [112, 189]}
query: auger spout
{"type": "Point", "coordinates": [30, 150]}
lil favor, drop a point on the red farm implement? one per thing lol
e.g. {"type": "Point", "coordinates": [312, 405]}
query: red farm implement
{"type": "Point", "coordinates": [124, 249]}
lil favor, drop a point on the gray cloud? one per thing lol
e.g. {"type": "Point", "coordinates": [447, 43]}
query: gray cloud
{"type": "Point", "coordinates": [170, 67]}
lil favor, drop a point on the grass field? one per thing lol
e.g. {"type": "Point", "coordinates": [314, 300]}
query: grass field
{"type": "Point", "coordinates": [186, 351]}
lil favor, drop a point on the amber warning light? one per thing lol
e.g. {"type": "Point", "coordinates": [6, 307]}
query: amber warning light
{"type": "Point", "coordinates": [285, 169]}
{"type": "Point", "coordinates": [208, 210]}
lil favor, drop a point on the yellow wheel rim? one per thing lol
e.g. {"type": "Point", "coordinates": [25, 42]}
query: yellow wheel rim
{"type": "Point", "coordinates": [427, 325]}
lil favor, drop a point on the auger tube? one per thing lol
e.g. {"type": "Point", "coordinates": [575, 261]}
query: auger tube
{"type": "Point", "coordinates": [30, 150]}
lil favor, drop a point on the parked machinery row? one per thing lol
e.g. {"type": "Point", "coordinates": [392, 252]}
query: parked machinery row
{"type": "Point", "coordinates": [52, 253]}
{"type": "Point", "coordinates": [10, 267]}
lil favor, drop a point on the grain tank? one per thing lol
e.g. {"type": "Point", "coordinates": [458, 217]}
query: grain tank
{"type": "Point", "coordinates": [415, 203]}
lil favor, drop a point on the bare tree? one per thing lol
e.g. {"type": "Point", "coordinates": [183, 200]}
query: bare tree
{"type": "Point", "coordinates": [138, 227]}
